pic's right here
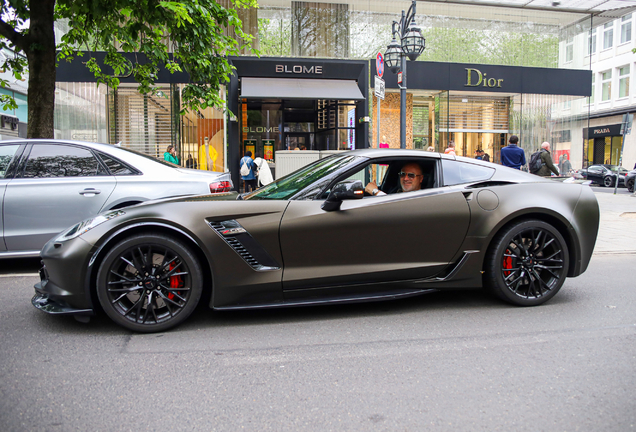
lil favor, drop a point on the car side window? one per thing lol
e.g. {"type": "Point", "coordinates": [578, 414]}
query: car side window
{"type": "Point", "coordinates": [7, 153]}
{"type": "Point", "coordinates": [47, 161]}
{"type": "Point", "coordinates": [365, 174]}
{"type": "Point", "coordinates": [114, 166]}
{"type": "Point", "coordinates": [456, 172]}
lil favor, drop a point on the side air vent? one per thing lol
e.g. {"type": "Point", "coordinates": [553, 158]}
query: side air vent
{"type": "Point", "coordinates": [244, 245]}
{"type": "Point", "coordinates": [489, 184]}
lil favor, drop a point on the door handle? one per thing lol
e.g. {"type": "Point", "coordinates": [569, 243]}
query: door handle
{"type": "Point", "coordinates": [90, 192]}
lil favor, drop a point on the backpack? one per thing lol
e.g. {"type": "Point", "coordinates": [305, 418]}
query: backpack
{"type": "Point", "coordinates": [245, 170]}
{"type": "Point", "coordinates": [535, 162]}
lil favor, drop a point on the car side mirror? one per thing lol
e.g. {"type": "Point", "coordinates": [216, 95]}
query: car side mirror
{"type": "Point", "coordinates": [343, 191]}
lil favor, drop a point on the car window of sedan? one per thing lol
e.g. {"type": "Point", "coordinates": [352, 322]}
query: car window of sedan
{"type": "Point", "coordinates": [6, 156]}
{"type": "Point", "coordinates": [47, 161]}
{"type": "Point", "coordinates": [456, 172]}
{"type": "Point", "coordinates": [114, 166]}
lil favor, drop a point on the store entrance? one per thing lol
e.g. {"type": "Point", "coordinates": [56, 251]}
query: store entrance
{"type": "Point", "coordinates": [299, 141]}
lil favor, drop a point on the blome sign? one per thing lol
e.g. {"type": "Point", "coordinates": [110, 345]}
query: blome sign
{"type": "Point", "coordinates": [261, 129]}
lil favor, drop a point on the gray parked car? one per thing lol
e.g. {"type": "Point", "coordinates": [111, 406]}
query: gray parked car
{"type": "Point", "coordinates": [48, 185]}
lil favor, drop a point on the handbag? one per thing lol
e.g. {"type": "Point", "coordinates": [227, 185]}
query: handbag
{"type": "Point", "coordinates": [245, 170]}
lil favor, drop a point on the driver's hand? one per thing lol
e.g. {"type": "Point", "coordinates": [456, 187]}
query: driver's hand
{"type": "Point", "coordinates": [370, 186]}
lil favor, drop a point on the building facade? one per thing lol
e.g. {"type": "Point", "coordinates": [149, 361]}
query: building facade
{"type": "Point", "coordinates": [606, 48]}
{"type": "Point", "coordinates": [487, 73]}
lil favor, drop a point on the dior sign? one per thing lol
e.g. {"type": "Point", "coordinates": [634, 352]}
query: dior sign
{"type": "Point", "coordinates": [299, 69]}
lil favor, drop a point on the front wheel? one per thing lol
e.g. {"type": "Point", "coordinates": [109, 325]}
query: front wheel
{"type": "Point", "coordinates": [630, 185]}
{"type": "Point", "coordinates": [149, 283]}
{"type": "Point", "coordinates": [608, 182]}
{"type": "Point", "coordinates": [527, 263]}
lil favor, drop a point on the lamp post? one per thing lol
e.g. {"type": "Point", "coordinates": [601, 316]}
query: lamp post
{"type": "Point", "coordinates": [411, 45]}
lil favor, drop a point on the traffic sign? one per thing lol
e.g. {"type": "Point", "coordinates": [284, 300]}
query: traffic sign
{"type": "Point", "coordinates": [399, 77]}
{"type": "Point", "coordinates": [379, 87]}
{"type": "Point", "coordinates": [379, 65]}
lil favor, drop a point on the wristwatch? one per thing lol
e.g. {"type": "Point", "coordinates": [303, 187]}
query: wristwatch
{"type": "Point", "coordinates": [374, 192]}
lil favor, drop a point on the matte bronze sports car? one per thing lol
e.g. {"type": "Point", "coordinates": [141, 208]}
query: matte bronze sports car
{"type": "Point", "coordinates": [315, 236]}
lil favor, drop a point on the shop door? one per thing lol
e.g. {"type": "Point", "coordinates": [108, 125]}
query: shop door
{"type": "Point", "coordinates": [298, 140]}
{"type": "Point", "coordinates": [599, 151]}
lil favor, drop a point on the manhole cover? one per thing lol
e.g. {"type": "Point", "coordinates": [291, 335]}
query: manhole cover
{"type": "Point", "coordinates": [630, 215]}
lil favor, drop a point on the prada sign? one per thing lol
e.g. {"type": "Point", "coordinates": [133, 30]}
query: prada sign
{"type": "Point", "coordinates": [602, 131]}
{"type": "Point", "coordinates": [299, 69]}
{"type": "Point", "coordinates": [474, 78]}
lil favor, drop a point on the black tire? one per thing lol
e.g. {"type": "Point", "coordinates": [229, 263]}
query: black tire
{"type": "Point", "coordinates": [527, 263]}
{"type": "Point", "coordinates": [149, 270]}
{"type": "Point", "coordinates": [608, 181]}
{"type": "Point", "coordinates": [630, 185]}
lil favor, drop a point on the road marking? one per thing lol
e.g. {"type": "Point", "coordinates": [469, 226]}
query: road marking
{"type": "Point", "coordinates": [19, 275]}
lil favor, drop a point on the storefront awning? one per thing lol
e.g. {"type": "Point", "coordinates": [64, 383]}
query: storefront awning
{"type": "Point", "coordinates": [290, 88]}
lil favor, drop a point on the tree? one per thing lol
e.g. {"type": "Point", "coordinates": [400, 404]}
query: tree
{"type": "Point", "coordinates": [194, 36]}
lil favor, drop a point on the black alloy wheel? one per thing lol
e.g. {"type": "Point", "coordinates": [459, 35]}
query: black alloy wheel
{"type": "Point", "coordinates": [608, 181]}
{"type": "Point", "coordinates": [630, 185]}
{"type": "Point", "coordinates": [527, 263]}
{"type": "Point", "coordinates": [149, 283]}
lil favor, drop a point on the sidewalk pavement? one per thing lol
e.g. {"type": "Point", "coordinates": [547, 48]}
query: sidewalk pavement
{"type": "Point", "coordinates": [617, 231]}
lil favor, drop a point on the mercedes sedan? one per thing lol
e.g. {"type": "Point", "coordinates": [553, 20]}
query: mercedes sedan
{"type": "Point", "coordinates": [48, 185]}
{"type": "Point", "coordinates": [357, 226]}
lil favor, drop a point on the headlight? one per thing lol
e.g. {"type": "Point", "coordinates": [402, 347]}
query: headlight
{"type": "Point", "coordinates": [88, 224]}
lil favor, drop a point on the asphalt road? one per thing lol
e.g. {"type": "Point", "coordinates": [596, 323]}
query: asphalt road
{"type": "Point", "coordinates": [457, 361]}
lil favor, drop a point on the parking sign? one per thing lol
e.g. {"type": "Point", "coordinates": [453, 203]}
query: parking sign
{"type": "Point", "coordinates": [379, 64]}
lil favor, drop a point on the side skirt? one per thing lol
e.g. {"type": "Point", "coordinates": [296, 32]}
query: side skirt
{"type": "Point", "coordinates": [393, 295]}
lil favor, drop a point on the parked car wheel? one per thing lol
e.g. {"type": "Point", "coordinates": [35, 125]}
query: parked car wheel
{"type": "Point", "coordinates": [608, 181]}
{"type": "Point", "coordinates": [527, 263]}
{"type": "Point", "coordinates": [630, 185]}
{"type": "Point", "coordinates": [149, 283]}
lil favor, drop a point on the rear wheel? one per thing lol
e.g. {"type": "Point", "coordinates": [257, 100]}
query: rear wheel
{"type": "Point", "coordinates": [527, 263]}
{"type": "Point", "coordinates": [608, 181]}
{"type": "Point", "coordinates": [149, 283]}
{"type": "Point", "coordinates": [630, 185]}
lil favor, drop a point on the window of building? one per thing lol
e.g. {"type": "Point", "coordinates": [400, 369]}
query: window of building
{"type": "Point", "coordinates": [608, 35]}
{"type": "Point", "coordinates": [606, 85]}
{"type": "Point", "coordinates": [626, 28]}
{"type": "Point", "coordinates": [623, 81]}
{"type": "Point", "coordinates": [591, 42]}
{"type": "Point", "coordinates": [569, 50]}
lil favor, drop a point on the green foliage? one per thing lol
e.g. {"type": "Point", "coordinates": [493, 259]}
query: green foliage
{"type": "Point", "coordinates": [195, 36]}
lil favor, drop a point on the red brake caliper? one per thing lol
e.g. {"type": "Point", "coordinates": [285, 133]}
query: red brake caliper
{"type": "Point", "coordinates": [175, 282]}
{"type": "Point", "coordinates": [507, 263]}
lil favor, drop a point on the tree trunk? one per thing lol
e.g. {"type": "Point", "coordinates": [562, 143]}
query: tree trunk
{"type": "Point", "coordinates": [40, 53]}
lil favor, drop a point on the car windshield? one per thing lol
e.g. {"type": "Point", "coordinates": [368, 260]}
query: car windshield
{"type": "Point", "coordinates": [289, 185]}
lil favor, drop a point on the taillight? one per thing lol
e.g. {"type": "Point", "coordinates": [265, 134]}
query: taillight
{"type": "Point", "coordinates": [222, 186]}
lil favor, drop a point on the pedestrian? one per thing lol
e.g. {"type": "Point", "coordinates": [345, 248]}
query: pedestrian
{"type": "Point", "coordinates": [263, 172]}
{"type": "Point", "coordinates": [547, 167]}
{"type": "Point", "coordinates": [564, 165]}
{"type": "Point", "coordinates": [430, 148]}
{"type": "Point", "coordinates": [190, 162]}
{"type": "Point", "coordinates": [450, 149]}
{"type": "Point", "coordinates": [512, 155]}
{"type": "Point", "coordinates": [478, 154]}
{"type": "Point", "coordinates": [248, 172]}
{"type": "Point", "coordinates": [171, 155]}
{"type": "Point", "coordinates": [485, 156]}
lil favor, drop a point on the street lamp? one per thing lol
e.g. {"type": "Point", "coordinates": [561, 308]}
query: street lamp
{"type": "Point", "coordinates": [411, 46]}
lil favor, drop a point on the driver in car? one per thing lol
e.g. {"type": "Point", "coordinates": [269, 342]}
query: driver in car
{"type": "Point", "coordinates": [410, 180]}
